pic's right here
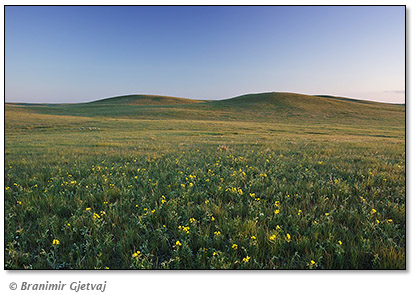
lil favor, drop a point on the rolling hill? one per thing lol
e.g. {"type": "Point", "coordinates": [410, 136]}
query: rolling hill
{"type": "Point", "coordinates": [168, 172]}
{"type": "Point", "coordinates": [137, 99]}
{"type": "Point", "coordinates": [269, 107]}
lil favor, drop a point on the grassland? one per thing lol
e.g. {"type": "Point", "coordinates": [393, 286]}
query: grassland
{"type": "Point", "coordinates": [266, 181]}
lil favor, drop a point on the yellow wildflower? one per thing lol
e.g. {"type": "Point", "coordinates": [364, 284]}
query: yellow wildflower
{"type": "Point", "coordinates": [19, 202]}
{"type": "Point", "coordinates": [87, 209]}
{"type": "Point", "coordinates": [273, 237]}
{"type": "Point", "coordinates": [253, 238]}
{"type": "Point", "coordinates": [312, 262]}
{"type": "Point", "coordinates": [135, 254]}
{"type": "Point", "coordinates": [373, 211]}
{"type": "Point", "coordinates": [340, 243]}
{"type": "Point", "coordinates": [217, 233]}
{"type": "Point", "coordinates": [276, 211]}
{"type": "Point", "coordinates": [246, 259]}
{"type": "Point", "coordinates": [55, 242]}
{"type": "Point", "coordinates": [178, 243]}
{"type": "Point", "coordinates": [234, 246]}
{"type": "Point", "coordinates": [192, 220]}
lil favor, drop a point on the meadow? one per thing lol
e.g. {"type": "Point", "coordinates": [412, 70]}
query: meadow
{"type": "Point", "coordinates": [267, 181]}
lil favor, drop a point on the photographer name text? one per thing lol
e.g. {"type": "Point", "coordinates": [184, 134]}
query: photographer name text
{"type": "Point", "coordinates": [77, 286]}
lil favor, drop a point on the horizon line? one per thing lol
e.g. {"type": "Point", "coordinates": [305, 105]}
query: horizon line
{"type": "Point", "coordinates": [206, 99]}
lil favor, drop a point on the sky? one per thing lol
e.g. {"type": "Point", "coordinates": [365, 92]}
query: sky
{"type": "Point", "coordinates": [56, 54]}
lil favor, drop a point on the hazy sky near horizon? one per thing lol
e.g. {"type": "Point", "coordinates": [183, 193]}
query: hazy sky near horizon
{"type": "Point", "coordinates": [78, 54]}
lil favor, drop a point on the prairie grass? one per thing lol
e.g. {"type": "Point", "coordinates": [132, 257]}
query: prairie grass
{"type": "Point", "coordinates": [95, 192]}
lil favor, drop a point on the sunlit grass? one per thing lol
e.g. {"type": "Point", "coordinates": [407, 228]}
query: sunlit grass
{"type": "Point", "coordinates": [118, 193]}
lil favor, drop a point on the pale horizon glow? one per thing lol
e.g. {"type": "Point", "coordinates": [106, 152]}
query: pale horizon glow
{"type": "Point", "coordinates": [72, 54]}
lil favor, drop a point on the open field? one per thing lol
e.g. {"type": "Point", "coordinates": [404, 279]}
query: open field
{"type": "Point", "coordinates": [267, 181]}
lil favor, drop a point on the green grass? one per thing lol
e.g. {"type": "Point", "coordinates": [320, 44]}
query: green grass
{"type": "Point", "coordinates": [289, 179]}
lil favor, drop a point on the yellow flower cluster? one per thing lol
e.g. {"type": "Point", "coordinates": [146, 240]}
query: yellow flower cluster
{"type": "Point", "coordinates": [55, 242]}
{"type": "Point", "coordinates": [246, 259]}
{"type": "Point", "coordinates": [236, 191]}
{"type": "Point", "coordinates": [135, 254]}
{"type": "Point", "coordinates": [184, 228]}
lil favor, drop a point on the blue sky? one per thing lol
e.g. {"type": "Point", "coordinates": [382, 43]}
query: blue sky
{"type": "Point", "coordinates": [77, 54]}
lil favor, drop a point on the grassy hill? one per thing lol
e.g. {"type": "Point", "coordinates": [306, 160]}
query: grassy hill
{"type": "Point", "coordinates": [259, 181]}
{"type": "Point", "coordinates": [282, 106]}
{"type": "Point", "coordinates": [262, 107]}
{"type": "Point", "coordinates": [136, 99]}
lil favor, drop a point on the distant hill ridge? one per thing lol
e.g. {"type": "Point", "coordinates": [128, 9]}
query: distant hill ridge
{"type": "Point", "coordinates": [274, 98]}
{"type": "Point", "coordinates": [261, 107]}
{"type": "Point", "coordinates": [144, 99]}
